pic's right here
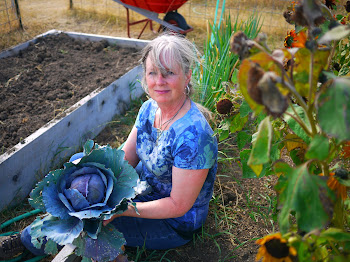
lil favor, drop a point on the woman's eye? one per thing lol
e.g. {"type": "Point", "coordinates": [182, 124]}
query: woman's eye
{"type": "Point", "coordinates": [170, 73]}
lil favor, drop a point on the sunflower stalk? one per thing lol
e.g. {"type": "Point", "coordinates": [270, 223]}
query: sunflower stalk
{"type": "Point", "coordinates": [312, 129]}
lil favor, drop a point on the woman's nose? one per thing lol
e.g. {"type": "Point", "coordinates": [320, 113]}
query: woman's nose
{"type": "Point", "coordinates": [160, 79]}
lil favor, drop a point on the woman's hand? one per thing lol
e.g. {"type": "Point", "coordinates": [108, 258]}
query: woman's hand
{"type": "Point", "coordinates": [187, 185]}
{"type": "Point", "coordinates": [106, 222]}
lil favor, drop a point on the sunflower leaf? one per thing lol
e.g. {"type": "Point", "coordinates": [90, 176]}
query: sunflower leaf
{"type": "Point", "coordinates": [303, 194]}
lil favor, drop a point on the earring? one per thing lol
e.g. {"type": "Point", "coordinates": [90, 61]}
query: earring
{"type": "Point", "coordinates": [187, 90]}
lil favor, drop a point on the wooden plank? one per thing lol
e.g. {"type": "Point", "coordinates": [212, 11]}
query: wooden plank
{"type": "Point", "coordinates": [67, 255]}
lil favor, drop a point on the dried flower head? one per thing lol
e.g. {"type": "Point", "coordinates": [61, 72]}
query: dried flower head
{"type": "Point", "coordinates": [275, 103]}
{"type": "Point", "coordinates": [308, 13]}
{"type": "Point", "coordinates": [240, 44]}
{"type": "Point", "coordinates": [288, 15]}
{"type": "Point", "coordinates": [255, 73]}
{"type": "Point", "coordinates": [347, 6]}
{"type": "Point", "coordinates": [224, 106]}
{"type": "Point", "coordinates": [273, 248]}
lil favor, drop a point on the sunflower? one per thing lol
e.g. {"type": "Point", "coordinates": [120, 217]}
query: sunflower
{"type": "Point", "coordinates": [273, 248]}
{"type": "Point", "coordinates": [334, 185]}
{"type": "Point", "coordinates": [224, 106]}
{"type": "Point", "coordinates": [294, 39]}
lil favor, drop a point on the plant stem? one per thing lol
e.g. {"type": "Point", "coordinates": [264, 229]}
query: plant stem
{"type": "Point", "coordinates": [300, 122]}
{"type": "Point", "coordinates": [331, 55]}
{"type": "Point", "coordinates": [311, 79]}
{"type": "Point", "coordinates": [311, 91]}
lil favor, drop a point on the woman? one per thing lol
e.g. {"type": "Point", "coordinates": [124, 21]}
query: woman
{"type": "Point", "coordinates": [173, 145]}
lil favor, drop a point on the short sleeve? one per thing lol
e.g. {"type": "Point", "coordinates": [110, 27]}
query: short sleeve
{"type": "Point", "coordinates": [141, 113]}
{"type": "Point", "coordinates": [195, 149]}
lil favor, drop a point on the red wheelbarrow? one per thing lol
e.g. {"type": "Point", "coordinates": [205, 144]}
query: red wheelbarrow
{"type": "Point", "coordinates": [172, 21]}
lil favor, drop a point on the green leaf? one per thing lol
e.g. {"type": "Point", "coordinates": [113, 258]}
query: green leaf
{"type": "Point", "coordinates": [51, 247]}
{"type": "Point", "coordinates": [336, 234]}
{"type": "Point", "coordinates": [247, 172]}
{"type": "Point", "coordinates": [244, 109]}
{"type": "Point", "coordinates": [282, 168]}
{"type": "Point", "coordinates": [86, 259]}
{"type": "Point", "coordinates": [88, 146]}
{"type": "Point", "coordinates": [334, 109]}
{"type": "Point", "coordinates": [261, 146]}
{"type": "Point", "coordinates": [318, 148]}
{"type": "Point", "coordinates": [36, 198]}
{"type": "Point", "coordinates": [296, 156]}
{"type": "Point", "coordinates": [294, 126]}
{"type": "Point", "coordinates": [301, 70]}
{"type": "Point", "coordinates": [302, 196]}
{"type": "Point", "coordinates": [223, 134]}
{"type": "Point", "coordinates": [37, 236]}
{"type": "Point", "coordinates": [237, 123]}
{"type": "Point", "coordinates": [105, 248]}
{"type": "Point", "coordinates": [242, 139]}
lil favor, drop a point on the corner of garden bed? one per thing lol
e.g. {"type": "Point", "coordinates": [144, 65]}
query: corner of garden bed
{"type": "Point", "coordinates": [26, 163]}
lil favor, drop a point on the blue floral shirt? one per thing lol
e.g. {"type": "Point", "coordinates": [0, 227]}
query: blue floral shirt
{"type": "Point", "coordinates": [188, 144]}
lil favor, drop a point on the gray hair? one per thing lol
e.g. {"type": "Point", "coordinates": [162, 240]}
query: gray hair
{"type": "Point", "coordinates": [180, 52]}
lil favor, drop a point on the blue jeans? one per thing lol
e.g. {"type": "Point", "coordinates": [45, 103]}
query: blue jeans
{"type": "Point", "coordinates": [138, 232]}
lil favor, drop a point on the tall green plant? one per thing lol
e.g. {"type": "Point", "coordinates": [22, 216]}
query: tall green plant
{"type": "Point", "coordinates": [218, 64]}
{"type": "Point", "coordinates": [306, 129]}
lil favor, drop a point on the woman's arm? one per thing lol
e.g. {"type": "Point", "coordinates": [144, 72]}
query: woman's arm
{"type": "Point", "coordinates": [130, 148]}
{"type": "Point", "coordinates": [187, 185]}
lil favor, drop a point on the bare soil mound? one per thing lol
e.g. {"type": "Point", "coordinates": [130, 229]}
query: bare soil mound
{"type": "Point", "coordinates": [39, 83]}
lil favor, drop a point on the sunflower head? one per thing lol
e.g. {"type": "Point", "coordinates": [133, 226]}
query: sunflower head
{"type": "Point", "coordinates": [334, 184]}
{"type": "Point", "coordinates": [294, 39]}
{"type": "Point", "coordinates": [274, 248]}
{"type": "Point", "coordinates": [224, 106]}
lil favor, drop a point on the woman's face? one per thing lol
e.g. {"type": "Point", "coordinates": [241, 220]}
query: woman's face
{"type": "Point", "coordinates": [167, 88]}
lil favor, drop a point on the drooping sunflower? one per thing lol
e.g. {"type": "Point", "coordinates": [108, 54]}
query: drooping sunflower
{"type": "Point", "coordinates": [294, 39]}
{"type": "Point", "coordinates": [335, 186]}
{"type": "Point", "coordinates": [273, 248]}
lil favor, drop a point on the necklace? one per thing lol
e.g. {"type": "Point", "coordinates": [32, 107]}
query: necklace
{"type": "Point", "coordinates": [159, 129]}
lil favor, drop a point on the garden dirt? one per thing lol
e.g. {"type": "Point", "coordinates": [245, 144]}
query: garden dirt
{"type": "Point", "coordinates": [38, 84]}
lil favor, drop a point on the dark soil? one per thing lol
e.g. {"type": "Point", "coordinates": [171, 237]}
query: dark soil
{"type": "Point", "coordinates": [39, 83]}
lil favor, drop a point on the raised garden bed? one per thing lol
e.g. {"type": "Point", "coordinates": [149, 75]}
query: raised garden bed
{"type": "Point", "coordinates": [56, 91]}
